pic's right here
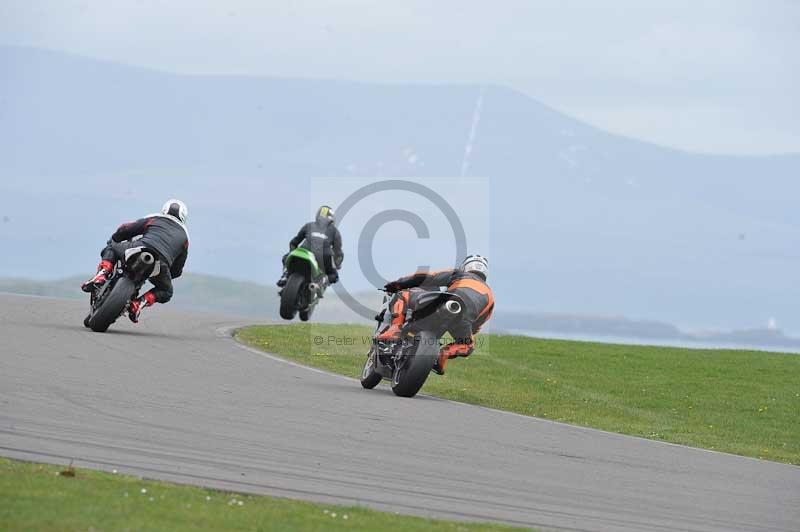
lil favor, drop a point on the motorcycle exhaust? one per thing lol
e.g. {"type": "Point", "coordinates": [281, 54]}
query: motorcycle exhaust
{"type": "Point", "coordinates": [453, 307]}
{"type": "Point", "coordinates": [147, 258]}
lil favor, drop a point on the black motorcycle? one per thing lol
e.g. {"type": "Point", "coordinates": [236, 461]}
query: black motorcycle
{"type": "Point", "coordinates": [111, 300]}
{"type": "Point", "coordinates": [408, 362]}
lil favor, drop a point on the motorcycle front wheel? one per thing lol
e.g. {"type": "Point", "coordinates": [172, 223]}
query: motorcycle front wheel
{"type": "Point", "coordinates": [369, 377]}
{"type": "Point", "coordinates": [306, 314]}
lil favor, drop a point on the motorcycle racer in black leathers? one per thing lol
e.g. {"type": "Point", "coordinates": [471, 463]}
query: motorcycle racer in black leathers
{"type": "Point", "coordinates": [468, 282]}
{"type": "Point", "coordinates": [165, 234]}
{"type": "Point", "coordinates": [323, 239]}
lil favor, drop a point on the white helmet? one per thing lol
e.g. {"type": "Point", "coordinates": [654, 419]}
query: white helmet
{"type": "Point", "coordinates": [175, 208]}
{"type": "Point", "coordinates": [476, 264]}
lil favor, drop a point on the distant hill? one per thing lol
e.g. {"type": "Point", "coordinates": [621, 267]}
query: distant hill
{"type": "Point", "coordinates": [614, 329]}
{"type": "Point", "coordinates": [224, 296]}
{"type": "Point", "coordinates": [192, 291]}
{"type": "Point", "coordinates": [582, 221]}
{"type": "Point", "coordinates": [209, 293]}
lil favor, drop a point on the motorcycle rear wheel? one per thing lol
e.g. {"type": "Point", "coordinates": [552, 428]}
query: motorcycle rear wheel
{"type": "Point", "coordinates": [290, 296]}
{"type": "Point", "coordinates": [409, 378]}
{"type": "Point", "coordinates": [112, 306]}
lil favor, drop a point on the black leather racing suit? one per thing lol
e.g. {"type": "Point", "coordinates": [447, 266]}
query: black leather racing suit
{"type": "Point", "coordinates": [161, 233]}
{"type": "Point", "coordinates": [322, 238]}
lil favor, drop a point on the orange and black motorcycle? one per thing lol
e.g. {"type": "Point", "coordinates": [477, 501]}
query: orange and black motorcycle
{"type": "Point", "coordinates": [407, 362]}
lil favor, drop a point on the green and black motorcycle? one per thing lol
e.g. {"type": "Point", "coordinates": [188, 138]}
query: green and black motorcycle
{"type": "Point", "coordinates": [305, 285]}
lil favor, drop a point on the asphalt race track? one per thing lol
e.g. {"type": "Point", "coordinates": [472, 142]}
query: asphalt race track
{"type": "Point", "coordinates": [175, 398]}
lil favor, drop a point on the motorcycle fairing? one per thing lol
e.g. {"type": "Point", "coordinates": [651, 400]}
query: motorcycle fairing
{"type": "Point", "coordinates": [304, 261]}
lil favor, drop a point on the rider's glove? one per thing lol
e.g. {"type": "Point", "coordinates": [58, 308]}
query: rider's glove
{"type": "Point", "coordinates": [391, 287]}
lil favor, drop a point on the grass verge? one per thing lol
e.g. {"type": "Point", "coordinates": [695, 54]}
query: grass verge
{"type": "Point", "coordinates": [742, 402]}
{"type": "Point", "coordinates": [35, 497]}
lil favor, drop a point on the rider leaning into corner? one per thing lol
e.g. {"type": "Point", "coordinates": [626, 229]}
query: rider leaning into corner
{"type": "Point", "coordinates": [468, 282]}
{"type": "Point", "coordinates": [165, 234]}
{"type": "Point", "coordinates": [322, 238]}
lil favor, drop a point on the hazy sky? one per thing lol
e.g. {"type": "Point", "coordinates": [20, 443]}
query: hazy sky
{"type": "Point", "coordinates": [710, 76]}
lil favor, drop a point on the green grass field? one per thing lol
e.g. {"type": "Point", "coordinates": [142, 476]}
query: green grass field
{"type": "Point", "coordinates": [741, 402]}
{"type": "Point", "coordinates": [34, 497]}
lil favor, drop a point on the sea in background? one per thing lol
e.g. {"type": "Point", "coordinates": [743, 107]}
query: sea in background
{"type": "Point", "coordinates": [666, 342]}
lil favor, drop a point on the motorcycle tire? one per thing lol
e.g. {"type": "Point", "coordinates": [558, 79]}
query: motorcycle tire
{"type": "Point", "coordinates": [290, 296]}
{"type": "Point", "coordinates": [369, 377]}
{"type": "Point", "coordinates": [113, 305]}
{"type": "Point", "coordinates": [409, 378]}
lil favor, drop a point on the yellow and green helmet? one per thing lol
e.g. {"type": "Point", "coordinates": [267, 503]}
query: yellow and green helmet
{"type": "Point", "coordinates": [326, 213]}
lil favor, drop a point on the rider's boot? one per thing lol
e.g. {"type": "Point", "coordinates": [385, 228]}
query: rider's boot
{"type": "Point", "coordinates": [452, 350]}
{"type": "Point", "coordinates": [137, 305]}
{"type": "Point", "coordinates": [441, 362]}
{"type": "Point", "coordinates": [104, 270]}
{"type": "Point", "coordinates": [398, 319]}
{"type": "Point", "coordinates": [324, 283]}
{"type": "Point", "coordinates": [391, 334]}
{"type": "Point", "coordinates": [284, 277]}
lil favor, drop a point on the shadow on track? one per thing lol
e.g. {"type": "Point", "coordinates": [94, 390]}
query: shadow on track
{"type": "Point", "coordinates": [113, 332]}
{"type": "Point", "coordinates": [382, 390]}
